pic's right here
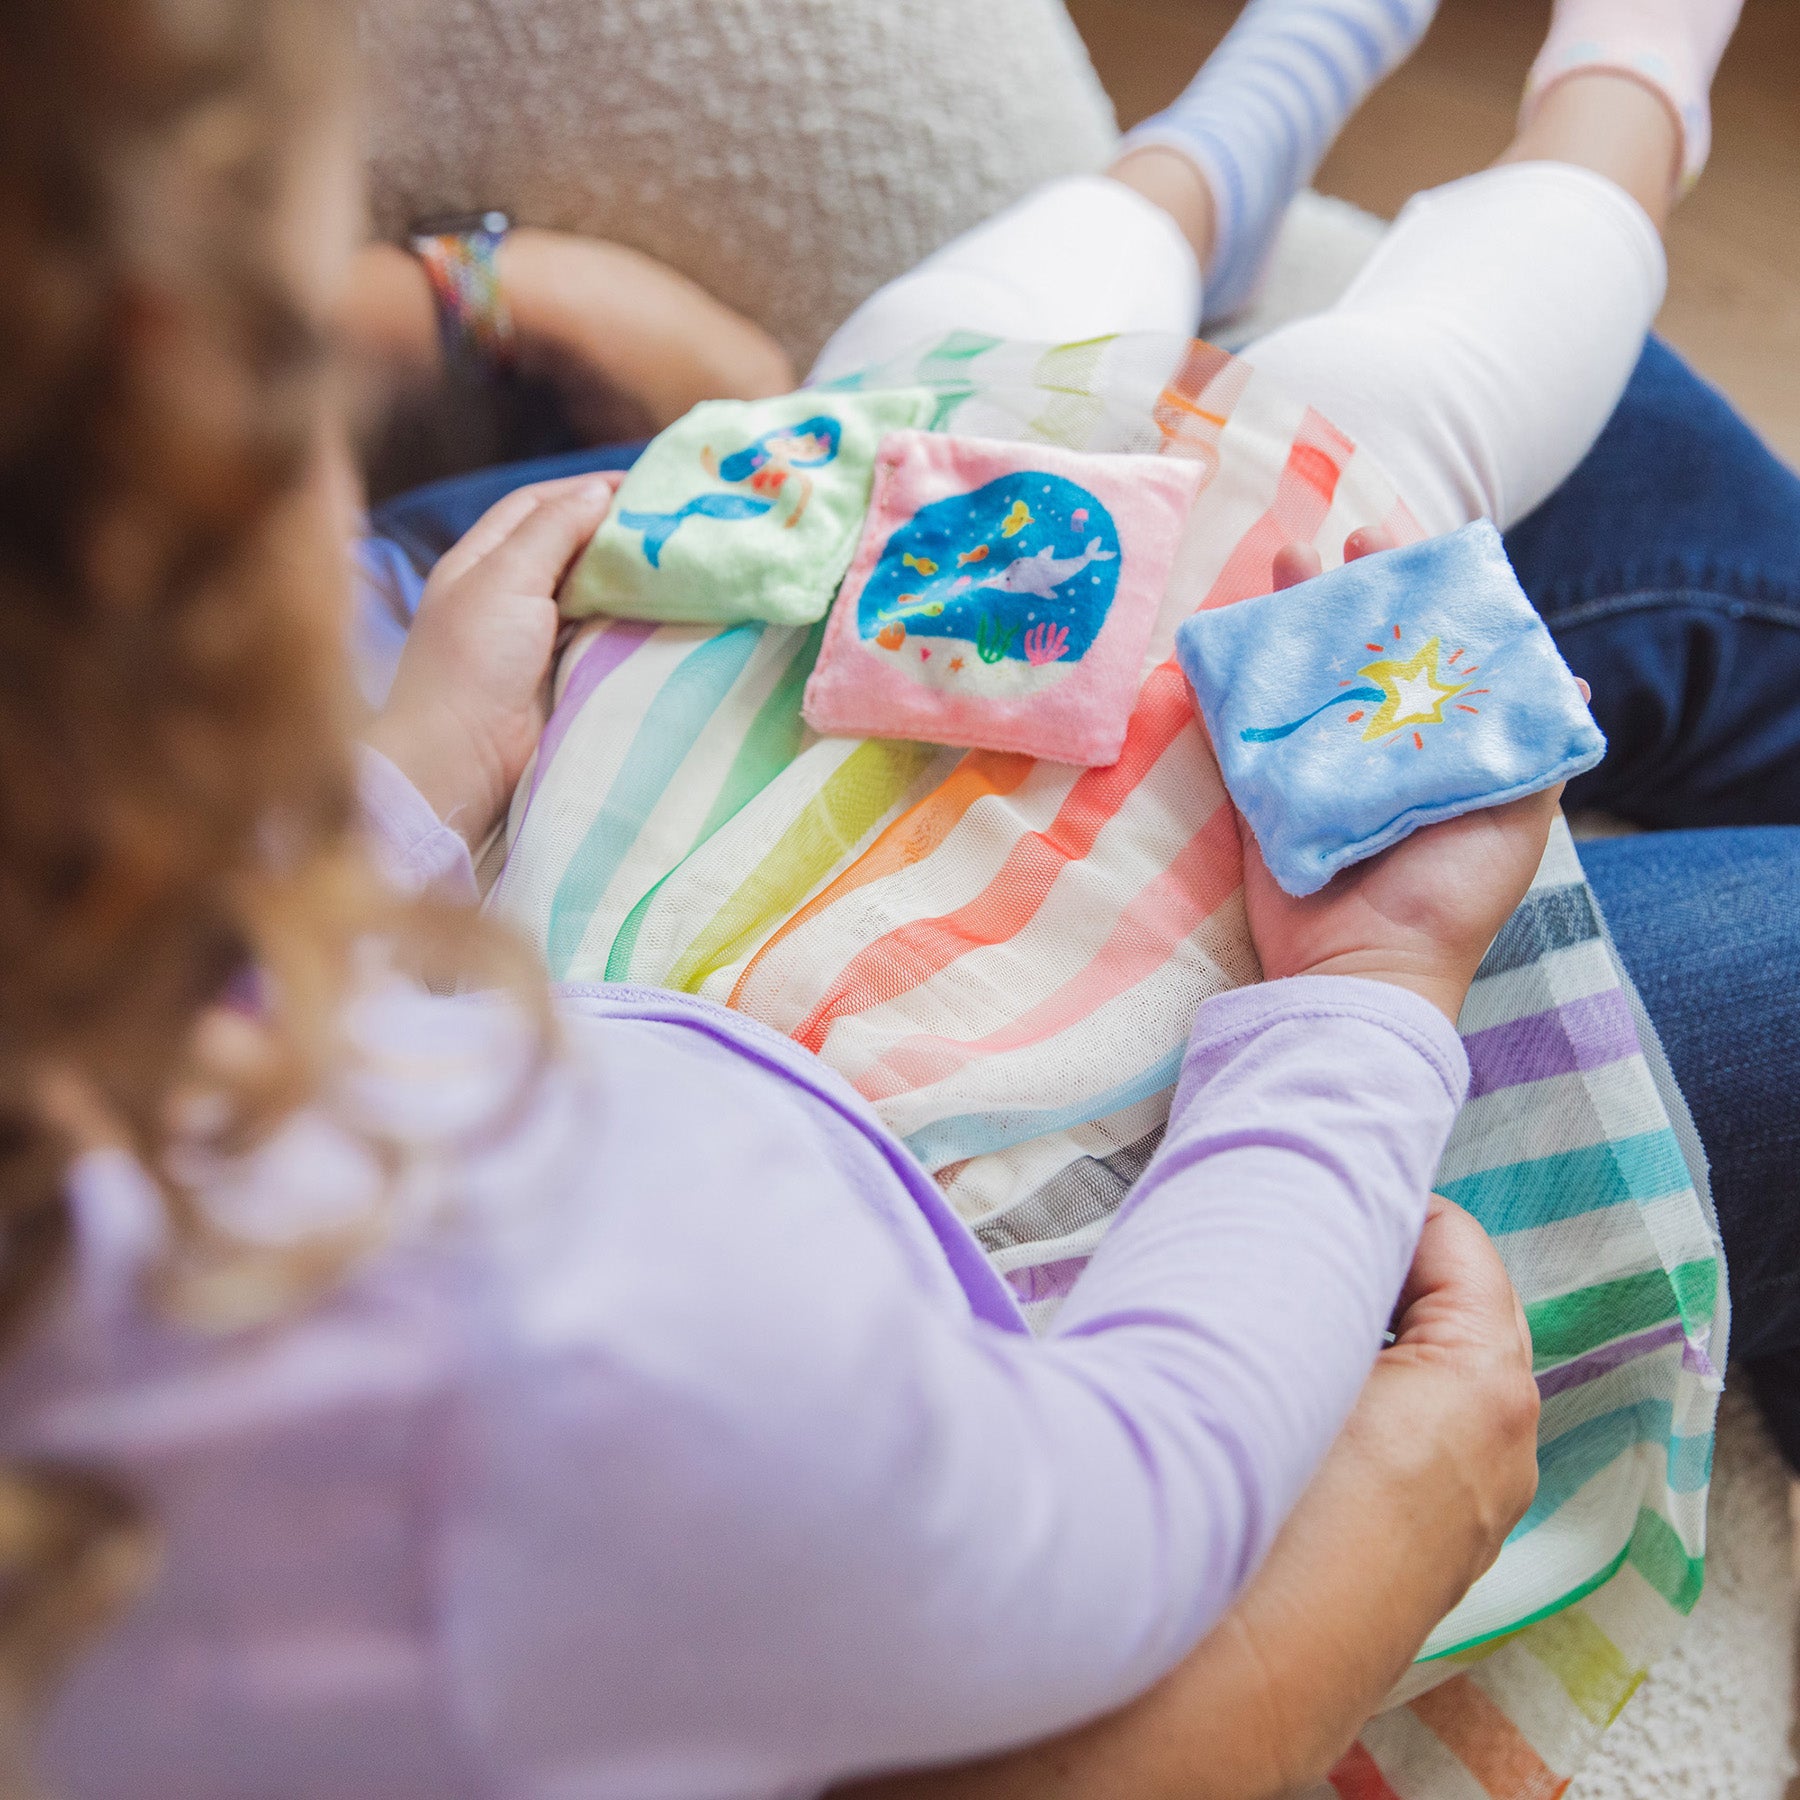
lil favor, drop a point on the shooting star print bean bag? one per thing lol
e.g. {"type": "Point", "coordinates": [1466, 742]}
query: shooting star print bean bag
{"type": "Point", "coordinates": [1393, 692]}
{"type": "Point", "coordinates": [1002, 597]}
{"type": "Point", "coordinates": [741, 510]}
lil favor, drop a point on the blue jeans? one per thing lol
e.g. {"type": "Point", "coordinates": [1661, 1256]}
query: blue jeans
{"type": "Point", "coordinates": [1668, 566]}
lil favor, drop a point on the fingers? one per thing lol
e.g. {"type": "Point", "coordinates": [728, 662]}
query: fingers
{"type": "Point", "coordinates": [1370, 540]}
{"type": "Point", "coordinates": [505, 517]}
{"type": "Point", "coordinates": [536, 553]}
{"type": "Point", "coordinates": [1295, 563]}
{"type": "Point", "coordinates": [1457, 1279]}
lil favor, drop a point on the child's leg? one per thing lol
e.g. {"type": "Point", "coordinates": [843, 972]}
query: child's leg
{"type": "Point", "coordinates": [1484, 346]}
{"type": "Point", "coordinates": [1256, 122]}
{"type": "Point", "coordinates": [1076, 259]}
{"type": "Point", "coordinates": [1204, 183]}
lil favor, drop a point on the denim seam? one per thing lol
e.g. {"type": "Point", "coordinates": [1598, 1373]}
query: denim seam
{"type": "Point", "coordinates": [1590, 612]}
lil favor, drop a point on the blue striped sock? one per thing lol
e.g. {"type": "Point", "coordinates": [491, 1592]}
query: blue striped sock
{"type": "Point", "coordinates": [1262, 112]}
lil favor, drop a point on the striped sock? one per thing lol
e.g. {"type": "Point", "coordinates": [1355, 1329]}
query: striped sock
{"type": "Point", "coordinates": [1259, 117]}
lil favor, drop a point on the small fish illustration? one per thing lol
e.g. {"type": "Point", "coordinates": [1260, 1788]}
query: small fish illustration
{"type": "Point", "coordinates": [1017, 519]}
{"type": "Point", "coordinates": [924, 654]}
{"type": "Point", "coordinates": [891, 637]}
{"type": "Point", "coordinates": [658, 528]}
{"type": "Point", "coordinates": [978, 554]}
{"type": "Point", "coordinates": [923, 564]}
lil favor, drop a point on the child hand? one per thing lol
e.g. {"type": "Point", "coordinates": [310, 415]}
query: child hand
{"type": "Point", "coordinates": [469, 697]}
{"type": "Point", "coordinates": [1420, 915]}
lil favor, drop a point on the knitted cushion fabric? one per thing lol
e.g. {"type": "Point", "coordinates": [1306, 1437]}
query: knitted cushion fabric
{"type": "Point", "coordinates": [815, 149]}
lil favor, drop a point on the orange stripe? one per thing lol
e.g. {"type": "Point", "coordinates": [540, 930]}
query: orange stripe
{"type": "Point", "coordinates": [909, 955]}
{"type": "Point", "coordinates": [1486, 1742]}
{"type": "Point", "coordinates": [1207, 872]}
{"type": "Point", "coordinates": [1303, 497]}
{"type": "Point", "coordinates": [1358, 1777]}
{"type": "Point", "coordinates": [910, 839]}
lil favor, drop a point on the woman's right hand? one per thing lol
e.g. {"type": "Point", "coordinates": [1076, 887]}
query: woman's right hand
{"type": "Point", "coordinates": [1436, 1465]}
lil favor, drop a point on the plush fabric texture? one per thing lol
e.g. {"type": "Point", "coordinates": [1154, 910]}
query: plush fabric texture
{"type": "Point", "coordinates": [788, 155]}
{"type": "Point", "coordinates": [1390, 693]}
{"type": "Point", "coordinates": [741, 510]}
{"type": "Point", "coordinates": [1002, 597]}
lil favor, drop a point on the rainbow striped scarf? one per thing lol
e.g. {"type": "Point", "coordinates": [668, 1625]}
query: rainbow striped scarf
{"type": "Point", "coordinates": [1005, 956]}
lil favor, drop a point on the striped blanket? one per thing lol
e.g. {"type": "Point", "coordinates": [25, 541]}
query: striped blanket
{"type": "Point", "coordinates": [1005, 956]}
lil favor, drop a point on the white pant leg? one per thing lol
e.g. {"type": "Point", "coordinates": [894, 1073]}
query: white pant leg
{"type": "Point", "coordinates": [1077, 258]}
{"type": "Point", "coordinates": [1484, 346]}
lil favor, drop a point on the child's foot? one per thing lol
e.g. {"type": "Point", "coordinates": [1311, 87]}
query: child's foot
{"type": "Point", "coordinates": [1672, 47]}
{"type": "Point", "coordinates": [1259, 117]}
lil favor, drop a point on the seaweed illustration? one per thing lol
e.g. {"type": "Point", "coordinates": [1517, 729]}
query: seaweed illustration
{"type": "Point", "coordinates": [993, 638]}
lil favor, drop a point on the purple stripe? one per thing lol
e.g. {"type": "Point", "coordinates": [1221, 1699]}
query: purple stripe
{"type": "Point", "coordinates": [608, 651]}
{"type": "Point", "coordinates": [1609, 1356]}
{"type": "Point", "coordinates": [1584, 1034]}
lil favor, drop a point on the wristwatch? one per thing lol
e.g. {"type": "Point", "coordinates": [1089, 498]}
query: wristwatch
{"type": "Point", "coordinates": [460, 253]}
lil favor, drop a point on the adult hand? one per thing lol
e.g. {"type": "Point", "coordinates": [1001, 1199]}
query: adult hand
{"type": "Point", "coordinates": [1435, 1466]}
{"type": "Point", "coordinates": [469, 697]}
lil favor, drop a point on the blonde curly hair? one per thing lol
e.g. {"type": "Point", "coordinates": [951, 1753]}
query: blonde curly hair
{"type": "Point", "coordinates": [177, 798]}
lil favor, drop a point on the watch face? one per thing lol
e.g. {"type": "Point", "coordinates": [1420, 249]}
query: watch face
{"type": "Point", "coordinates": [493, 223]}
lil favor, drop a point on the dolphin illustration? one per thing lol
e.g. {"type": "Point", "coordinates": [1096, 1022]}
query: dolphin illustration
{"type": "Point", "coordinates": [658, 528]}
{"type": "Point", "coordinates": [1041, 575]}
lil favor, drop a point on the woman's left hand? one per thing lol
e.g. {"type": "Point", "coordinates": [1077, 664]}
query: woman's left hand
{"type": "Point", "coordinates": [470, 694]}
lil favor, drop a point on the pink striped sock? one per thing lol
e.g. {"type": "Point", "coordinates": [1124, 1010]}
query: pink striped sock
{"type": "Point", "coordinates": [1671, 46]}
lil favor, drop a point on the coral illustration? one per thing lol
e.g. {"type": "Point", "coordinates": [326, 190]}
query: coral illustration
{"type": "Point", "coordinates": [1045, 643]}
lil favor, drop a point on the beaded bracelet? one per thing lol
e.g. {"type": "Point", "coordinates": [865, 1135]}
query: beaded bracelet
{"type": "Point", "coordinates": [460, 256]}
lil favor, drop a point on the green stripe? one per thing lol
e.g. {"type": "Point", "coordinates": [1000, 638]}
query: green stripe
{"type": "Point", "coordinates": [624, 946]}
{"type": "Point", "coordinates": [681, 711]}
{"type": "Point", "coordinates": [1519, 1195]}
{"type": "Point", "coordinates": [868, 781]}
{"type": "Point", "coordinates": [771, 743]}
{"type": "Point", "coordinates": [1569, 1325]}
{"type": "Point", "coordinates": [1659, 1555]}
{"type": "Point", "coordinates": [1490, 1641]}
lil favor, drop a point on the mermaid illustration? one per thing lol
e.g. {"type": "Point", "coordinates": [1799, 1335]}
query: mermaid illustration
{"type": "Point", "coordinates": [767, 466]}
{"type": "Point", "coordinates": [780, 456]}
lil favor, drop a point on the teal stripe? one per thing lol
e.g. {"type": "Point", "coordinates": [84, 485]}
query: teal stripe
{"type": "Point", "coordinates": [682, 709]}
{"type": "Point", "coordinates": [773, 740]}
{"type": "Point", "coordinates": [1568, 1463]}
{"type": "Point", "coordinates": [1517, 1196]}
{"type": "Point", "coordinates": [946, 1141]}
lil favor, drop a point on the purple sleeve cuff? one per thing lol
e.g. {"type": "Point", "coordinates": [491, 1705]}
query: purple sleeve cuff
{"type": "Point", "coordinates": [414, 849]}
{"type": "Point", "coordinates": [1245, 1011]}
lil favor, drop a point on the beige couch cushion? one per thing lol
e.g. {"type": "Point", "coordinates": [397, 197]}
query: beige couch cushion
{"type": "Point", "coordinates": [789, 155]}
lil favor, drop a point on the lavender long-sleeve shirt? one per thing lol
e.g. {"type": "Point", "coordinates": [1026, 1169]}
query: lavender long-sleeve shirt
{"type": "Point", "coordinates": [678, 1443]}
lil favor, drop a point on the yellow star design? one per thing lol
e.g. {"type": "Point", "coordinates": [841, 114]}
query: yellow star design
{"type": "Point", "coordinates": [1415, 696]}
